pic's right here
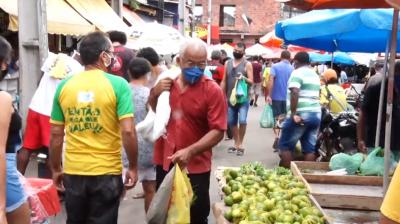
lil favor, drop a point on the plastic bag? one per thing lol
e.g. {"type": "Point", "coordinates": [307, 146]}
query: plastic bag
{"type": "Point", "coordinates": [154, 125]}
{"type": "Point", "coordinates": [350, 163]}
{"type": "Point", "coordinates": [171, 204]}
{"type": "Point", "coordinates": [241, 91]}
{"type": "Point", "coordinates": [158, 209]}
{"type": "Point", "coordinates": [181, 199]}
{"type": "Point", "coordinates": [42, 197]}
{"type": "Point", "coordinates": [232, 97]}
{"type": "Point", "coordinates": [267, 118]}
{"type": "Point", "coordinates": [374, 165]}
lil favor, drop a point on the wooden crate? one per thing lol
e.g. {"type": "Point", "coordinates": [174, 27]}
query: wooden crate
{"type": "Point", "coordinates": [219, 208]}
{"type": "Point", "coordinates": [349, 192]}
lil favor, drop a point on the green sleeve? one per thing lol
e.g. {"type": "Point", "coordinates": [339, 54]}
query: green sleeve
{"type": "Point", "coordinates": [57, 114]}
{"type": "Point", "coordinates": [125, 106]}
{"type": "Point", "coordinates": [123, 95]}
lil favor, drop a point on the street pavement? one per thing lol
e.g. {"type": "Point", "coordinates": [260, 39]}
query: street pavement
{"type": "Point", "coordinates": [258, 144]}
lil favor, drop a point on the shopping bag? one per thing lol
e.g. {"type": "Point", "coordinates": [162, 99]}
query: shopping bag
{"type": "Point", "coordinates": [232, 97]}
{"type": "Point", "coordinates": [348, 162]}
{"type": "Point", "coordinates": [374, 165]}
{"type": "Point", "coordinates": [181, 199]}
{"type": "Point", "coordinates": [241, 91]}
{"type": "Point", "coordinates": [267, 118]}
{"type": "Point", "coordinates": [158, 210]}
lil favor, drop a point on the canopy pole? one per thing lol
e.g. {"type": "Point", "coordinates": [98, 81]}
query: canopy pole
{"type": "Point", "coordinates": [389, 107]}
{"type": "Point", "coordinates": [382, 94]}
{"type": "Point", "coordinates": [332, 61]}
{"type": "Point", "coordinates": [209, 22]}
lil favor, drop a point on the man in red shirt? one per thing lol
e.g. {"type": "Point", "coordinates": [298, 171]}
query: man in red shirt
{"type": "Point", "coordinates": [197, 123]}
{"type": "Point", "coordinates": [215, 67]}
{"type": "Point", "coordinates": [255, 89]}
{"type": "Point", "coordinates": [122, 55]}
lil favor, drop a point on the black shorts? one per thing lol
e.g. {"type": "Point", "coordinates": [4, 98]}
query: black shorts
{"type": "Point", "coordinates": [200, 209]}
{"type": "Point", "coordinates": [92, 199]}
{"type": "Point", "coordinates": [278, 107]}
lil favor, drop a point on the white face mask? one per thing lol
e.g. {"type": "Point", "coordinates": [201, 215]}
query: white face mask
{"type": "Point", "coordinates": [109, 60]}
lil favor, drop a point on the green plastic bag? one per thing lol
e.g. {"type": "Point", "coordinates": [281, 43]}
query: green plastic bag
{"type": "Point", "coordinates": [242, 94]}
{"type": "Point", "coordinates": [267, 118]}
{"type": "Point", "coordinates": [374, 165]}
{"type": "Point", "coordinates": [350, 163]}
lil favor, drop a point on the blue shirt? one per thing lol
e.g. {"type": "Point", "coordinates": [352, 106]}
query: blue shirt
{"type": "Point", "coordinates": [281, 73]}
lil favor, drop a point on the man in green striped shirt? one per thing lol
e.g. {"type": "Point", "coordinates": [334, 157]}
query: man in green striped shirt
{"type": "Point", "coordinates": [304, 109]}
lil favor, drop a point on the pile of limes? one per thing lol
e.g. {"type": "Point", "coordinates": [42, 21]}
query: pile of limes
{"type": "Point", "coordinates": [256, 195]}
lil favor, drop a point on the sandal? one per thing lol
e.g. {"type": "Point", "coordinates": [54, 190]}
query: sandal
{"type": "Point", "coordinates": [231, 150]}
{"type": "Point", "coordinates": [239, 152]}
{"type": "Point", "coordinates": [138, 195]}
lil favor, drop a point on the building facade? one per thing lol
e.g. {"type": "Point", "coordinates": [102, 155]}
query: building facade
{"type": "Point", "coordinates": [239, 20]}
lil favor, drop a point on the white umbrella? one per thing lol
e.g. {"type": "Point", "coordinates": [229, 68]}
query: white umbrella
{"type": "Point", "coordinates": [364, 58]}
{"type": "Point", "coordinates": [162, 38]}
{"type": "Point", "coordinates": [258, 50]}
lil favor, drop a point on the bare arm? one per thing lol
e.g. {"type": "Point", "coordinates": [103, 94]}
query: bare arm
{"type": "Point", "coordinates": [249, 71]}
{"type": "Point", "coordinates": [155, 92]}
{"type": "Point", "coordinates": [129, 140]}
{"type": "Point", "coordinates": [294, 100]}
{"type": "Point", "coordinates": [223, 82]}
{"type": "Point", "coordinates": [5, 117]}
{"type": "Point", "coordinates": [360, 132]}
{"type": "Point", "coordinates": [270, 85]}
{"type": "Point", "coordinates": [56, 145]}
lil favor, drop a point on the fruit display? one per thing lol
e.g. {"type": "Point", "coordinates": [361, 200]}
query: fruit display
{"type": "Point", "coordinates": [256, 195]}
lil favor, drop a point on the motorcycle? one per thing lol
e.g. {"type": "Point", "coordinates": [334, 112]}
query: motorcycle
{"type": "Point", "coordinates": [338, 133]}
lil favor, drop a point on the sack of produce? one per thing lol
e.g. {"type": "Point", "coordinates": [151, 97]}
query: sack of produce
{"type": "Point", "coordinates": [345, 161]}
{"type": "Point", "coordinates": [267, 118]}
{"type": "Point", "coordinates": [374, 165]}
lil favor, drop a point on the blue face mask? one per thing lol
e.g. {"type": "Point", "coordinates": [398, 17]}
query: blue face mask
{"type": "Point", "coordinates": [193, 74]}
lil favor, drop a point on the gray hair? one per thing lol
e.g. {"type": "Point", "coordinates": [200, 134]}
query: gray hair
{"type": "Point", "coordinates": [196, 43]}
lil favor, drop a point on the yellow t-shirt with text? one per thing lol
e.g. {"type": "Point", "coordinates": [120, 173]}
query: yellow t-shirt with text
{"type": "Point", "coordinates": [90, 105]}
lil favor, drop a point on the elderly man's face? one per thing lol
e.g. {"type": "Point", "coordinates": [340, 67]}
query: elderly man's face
{"type": "Point", "coordinates": [193, 57]}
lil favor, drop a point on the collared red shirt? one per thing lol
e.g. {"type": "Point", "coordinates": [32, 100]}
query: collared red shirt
{"type": "Point", "coordinates": [194, 112]}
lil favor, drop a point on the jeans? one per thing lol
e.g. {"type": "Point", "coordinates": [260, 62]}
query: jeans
{"type": "Point", "coordinates": [238, 113]}
{"type": "Point", "coordinates": [306, 132]}
{"type": "Point", "coordinates": [92, 199]}
{"type": "Point", "coordinates": [200, 209]}
{"type": "Point", "coordinates": [15, 194]}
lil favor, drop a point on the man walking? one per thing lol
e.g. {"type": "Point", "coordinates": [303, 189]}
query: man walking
{"type": "Point", "coordinates": [196, 125]}
{"type": "Point", "coordinates": [95, 108]}
{"type": "Point", "coordinates": [122, 54]}
{"type": "Point", "coordinates": [305, 112]}
{"type": "Point", "coordinates": [255, 90]}
{"type": "Point", "coordinates": [237, 69]}
{"type": "Point", "coordinates": [277, 88]}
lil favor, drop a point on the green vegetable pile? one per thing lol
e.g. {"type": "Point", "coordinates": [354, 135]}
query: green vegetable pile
{"type": "Point", "coordinates": [257, 195]}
